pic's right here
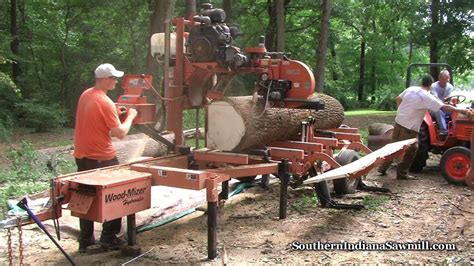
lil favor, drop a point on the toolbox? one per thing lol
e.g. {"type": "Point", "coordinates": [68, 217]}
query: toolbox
{"type": "Point", "coordinates": [108, 194]}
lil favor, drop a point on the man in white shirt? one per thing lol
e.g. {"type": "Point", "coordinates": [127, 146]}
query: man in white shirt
{"type": "Point", "coordinates": [412, 104]}
{"type": "Point", "coordinates": [442, 89]}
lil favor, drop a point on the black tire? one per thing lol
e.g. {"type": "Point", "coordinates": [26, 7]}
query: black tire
{"type": "Point", "coordinates": [455, 164]}
{"type": "Point", "coordinates": [423, 148]}
{"type": "Point", "coordinates": [346, 185]}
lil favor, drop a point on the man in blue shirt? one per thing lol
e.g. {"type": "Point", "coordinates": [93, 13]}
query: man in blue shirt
{"type": "Point", "coordinates": [442, 89]}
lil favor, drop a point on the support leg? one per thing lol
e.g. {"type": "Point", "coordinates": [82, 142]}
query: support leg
{"type": "Point", "coordinates": [285, 175]}
{"type": "Point", "coordinates": [364, 187]}
{"type": "Point", "coordinates": [211, 230]}
{"type": "Point", "coordinates": [131, 230]}
{"type": "Point", "coordinates": [265, 181]}
{"type": "Point", "coordinates": [324, 196]}
{"type": "Point", "coordinates": [131, 249]}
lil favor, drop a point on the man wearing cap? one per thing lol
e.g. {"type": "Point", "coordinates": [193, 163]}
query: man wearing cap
{"type": "Point", "coordinates": [97, 121]}
{"type": "Point", "coordinates": [412, 104]}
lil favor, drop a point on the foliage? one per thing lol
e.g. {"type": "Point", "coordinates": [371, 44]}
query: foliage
{"type": "Point", "coordinates": [384, 98]}
{"type": "Point", "coordinates": [189, 119]}
{"type": "Point", "coordinates": [41, 117]}
{"type": "Point", "coordinates": [9, 94]}
{"type": "Point", "coordinates": [61, 42]}
{"type": "Point", "coordinates": [28, 171]}
{"type": "Point", "coordinates": [349, 102]}
{"type": "Point", "coordinates": [6, 125]}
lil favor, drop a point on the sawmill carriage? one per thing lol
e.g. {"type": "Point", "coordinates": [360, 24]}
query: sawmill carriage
{"type": "Point", "coordinates": [283, 130]}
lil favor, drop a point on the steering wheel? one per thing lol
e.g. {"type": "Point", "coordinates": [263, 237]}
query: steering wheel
{"type": "Point", "coordinates": [455, 99]}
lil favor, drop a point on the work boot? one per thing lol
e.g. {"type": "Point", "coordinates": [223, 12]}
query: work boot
{"type": "Point", "coordinates": [114, 244]}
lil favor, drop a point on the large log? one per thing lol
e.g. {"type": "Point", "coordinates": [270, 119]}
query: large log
{"type": "Point", "coordinates": [238, 124]}
{"type": "Point", "coordinates": [140, 145]}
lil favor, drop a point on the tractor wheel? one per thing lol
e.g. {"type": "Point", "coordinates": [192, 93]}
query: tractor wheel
{"type": "Point", "coordinates": [455, 164]}
{"type": "Point", "coordinates": [423, 148]}
{"type": "Point", "coordinates": [346, 185]}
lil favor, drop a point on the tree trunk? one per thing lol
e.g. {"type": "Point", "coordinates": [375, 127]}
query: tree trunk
{"type": "Point", "coordinates": [332, 47]}
{"type": "Point", "coordinates": [227, 6]}
{"type": "Point", "coordinates": [15, 42]}
{"type": "Point", "coordinates": [237, 124]}
{"type": "Point", "coordinates": [374, 63]}
{"type": "Point", "coordinates": [322, 45]}
{"type": "Point", "coordinates": [434, 37]}
{"type": "Point", "coordinates": [271, 31]}
{"type": "Point", "coordinates": [360, 90]}
{"type": "Point", "coordinates": [280, 25]}
{"type": "Point", "coordinates": [162, 10]}
{"type": "Point", "coordinates": [190, 8]}
{"type": "Point", "coordinates": [410, 49]}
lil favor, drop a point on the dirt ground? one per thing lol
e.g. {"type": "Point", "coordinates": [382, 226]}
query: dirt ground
{"type": "Point", "coordinates": [249, 230]}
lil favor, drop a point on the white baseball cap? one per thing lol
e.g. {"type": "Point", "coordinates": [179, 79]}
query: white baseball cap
{"type": "Point", "coordinates": [107, 70]}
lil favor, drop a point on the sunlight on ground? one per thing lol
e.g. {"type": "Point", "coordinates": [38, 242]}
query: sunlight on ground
{"type": "Point", "coordinates": [368, 112]}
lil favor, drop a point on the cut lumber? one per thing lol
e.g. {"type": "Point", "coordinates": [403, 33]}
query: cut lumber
{"type": "Point", "coordinates": [238, 124]}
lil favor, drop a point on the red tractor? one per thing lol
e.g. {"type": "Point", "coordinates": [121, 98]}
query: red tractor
{"type": "Point", "coordinates": [455, 147]}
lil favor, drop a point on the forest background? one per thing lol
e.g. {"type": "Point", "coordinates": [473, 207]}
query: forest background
{"type": "Point", "coordinates": [359, 50]}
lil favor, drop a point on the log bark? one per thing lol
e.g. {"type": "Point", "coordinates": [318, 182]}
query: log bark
{"type": "Point", "coordinates": [237, 124]}
{"type": "Point", "coordinates": [380, 129]}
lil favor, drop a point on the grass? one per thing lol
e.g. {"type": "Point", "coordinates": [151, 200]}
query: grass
{"type": "Point", "coordinates": [305, 202]}
{"type": "Point", "coordinates": [58, 143]}
{"type": "Point", "coordinates": [364, 132]}
{"type": "Point", "coordinates": [368, 112]}
{"type": "Point", "coordinates": [375, 202]}
{"type": "Point", "coordinates": [28, 173]}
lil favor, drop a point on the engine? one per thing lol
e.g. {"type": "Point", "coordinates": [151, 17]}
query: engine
{"type": "Point", "coordinates": [211, 40]}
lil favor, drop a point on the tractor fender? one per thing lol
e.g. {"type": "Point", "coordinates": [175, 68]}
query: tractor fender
{"type": "Point", "coordinates": [428, 120]}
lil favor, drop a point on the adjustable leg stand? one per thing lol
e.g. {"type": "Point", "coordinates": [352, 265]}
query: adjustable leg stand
{"type": "Point", "coordinates": [364, 187]}
{"type": "Point", "coordinates": [324, 196]}
{"type": "Point", "coordinates": [212, 201]}
{"type": "Point", "coordinates": [284, 175]}
{"type": "Point", "coordinates": [211, 230]}
{"type": "Point", "coordinates": [131, 230]}
{"type": "Point", "coordinates": [131, 249]}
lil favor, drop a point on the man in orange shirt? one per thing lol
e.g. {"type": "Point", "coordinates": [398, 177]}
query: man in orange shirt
{"type": "Point", "coordinates": [97, 121]}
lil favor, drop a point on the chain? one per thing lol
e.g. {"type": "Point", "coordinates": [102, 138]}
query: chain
{"type": "Point", "coordinates": [9, 244]}
{"type": "Point", "coordinates": [20, 240]}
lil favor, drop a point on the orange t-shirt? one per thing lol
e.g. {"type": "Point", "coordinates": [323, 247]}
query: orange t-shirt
{"type": "Point", "coordinates": [96, 114]}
